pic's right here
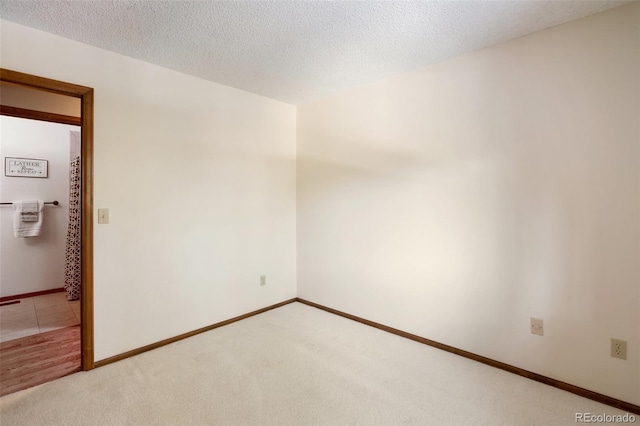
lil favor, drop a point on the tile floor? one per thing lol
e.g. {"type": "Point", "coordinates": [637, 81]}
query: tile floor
{"type": "Point", "coordinates": [38, 314]}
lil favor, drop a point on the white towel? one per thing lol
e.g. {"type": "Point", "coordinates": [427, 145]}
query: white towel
{"type": "Point", "coordinates": [27, 218]}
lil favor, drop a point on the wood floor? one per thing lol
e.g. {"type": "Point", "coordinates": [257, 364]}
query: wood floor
{"type": "Point", "coordinates": [37, 359]}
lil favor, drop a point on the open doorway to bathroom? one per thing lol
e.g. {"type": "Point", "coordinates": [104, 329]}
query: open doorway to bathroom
{"type": "Point", "coordinates": [46, 297]}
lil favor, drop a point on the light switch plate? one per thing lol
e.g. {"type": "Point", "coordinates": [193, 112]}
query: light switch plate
{"type": "Point", "coordinates": [103, 216]}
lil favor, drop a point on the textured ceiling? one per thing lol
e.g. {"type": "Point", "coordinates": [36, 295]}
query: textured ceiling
{"type": "Point", "coordinates": [294, 51]}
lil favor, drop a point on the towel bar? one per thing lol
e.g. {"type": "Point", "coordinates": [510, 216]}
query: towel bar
{"type": "Point", "coordinates": [55, 203]}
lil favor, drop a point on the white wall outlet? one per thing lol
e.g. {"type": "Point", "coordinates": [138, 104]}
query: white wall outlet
{"type": "Point", "coordinates": [619, 348]}
{"type": "Point", "coordinates": [103, 216]}
{"type": "Point", "coordinates": [263, 280]}
{"type": "Point", "coordinates": [537, 326]}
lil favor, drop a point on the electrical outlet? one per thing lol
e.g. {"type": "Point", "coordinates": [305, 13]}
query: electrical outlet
{"type": "Point", "coordinates": [537, 326]}
{"type": "Point", "coordinates": [263, 280]}
{"type": "Point", "coordinates": [619, 348]}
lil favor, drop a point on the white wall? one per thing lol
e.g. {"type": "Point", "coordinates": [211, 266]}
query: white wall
{"type": "Point", "coordinates": [34, 264]}
{"type": "Point", "coordinates": [200, 182]}
{"type": "Point", "coordinates": [457, 201]}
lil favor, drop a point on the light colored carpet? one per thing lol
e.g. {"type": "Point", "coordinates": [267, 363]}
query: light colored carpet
{"type": "Point", "coordinates": [295, 365]}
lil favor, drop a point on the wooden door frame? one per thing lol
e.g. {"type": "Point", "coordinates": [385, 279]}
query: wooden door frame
{"type": "Point", "coordinates": [86, 212]}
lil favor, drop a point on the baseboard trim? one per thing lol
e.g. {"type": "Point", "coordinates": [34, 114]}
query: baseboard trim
{"type": "Point", "coordinates": [164, 342]}
{"type": "Point", "coordinates": [604, 399]}
{"type": "Point", "coordinates": [33, 294]}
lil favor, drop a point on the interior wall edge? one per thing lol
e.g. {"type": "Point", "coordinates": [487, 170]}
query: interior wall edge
{"type": "Point", "coordinates": [32, 294]}
{"type": "Point", "coordinates": [170, 340]}
{"type": "Point", "coordinates": [568, 387]}
{"type": "Point", "coordinates": [39, 115]}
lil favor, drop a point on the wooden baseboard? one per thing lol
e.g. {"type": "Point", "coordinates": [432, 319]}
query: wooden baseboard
{"type": "Point", "coordinates": [185, 335]}
{"type": "Point", "coordinates": [35, 293]}
{"type": "Point", "coordinates": [604, 399]}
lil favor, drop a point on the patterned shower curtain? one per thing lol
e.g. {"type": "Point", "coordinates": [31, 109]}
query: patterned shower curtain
{"type": "Point", "coordinates": [72, 271]}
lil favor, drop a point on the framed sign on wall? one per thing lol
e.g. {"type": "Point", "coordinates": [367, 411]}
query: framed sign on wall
{"type": "Point", "coordinates": [25, 167]}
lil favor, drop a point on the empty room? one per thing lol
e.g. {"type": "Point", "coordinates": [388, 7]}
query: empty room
{"type": "Point", "coordinates": [319, 212]}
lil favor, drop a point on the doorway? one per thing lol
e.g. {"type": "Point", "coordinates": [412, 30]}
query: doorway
{"type": "Point", "coordinates": [85, 205]}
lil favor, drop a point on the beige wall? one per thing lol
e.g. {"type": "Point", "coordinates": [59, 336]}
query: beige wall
{"type": "Point", "coordinates": [38, 100]}
{"type": "Point", "coordinates": [200, 182]}
{"type": "Point", "coordinates": [457, 201]}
